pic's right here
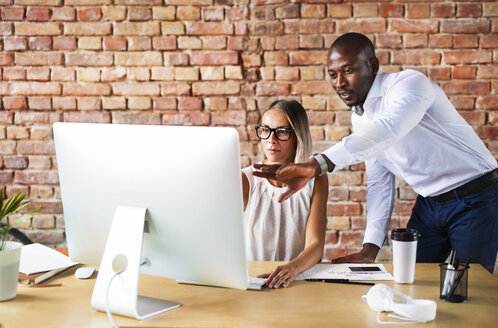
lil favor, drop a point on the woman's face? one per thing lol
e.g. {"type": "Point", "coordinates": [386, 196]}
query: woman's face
{"type": "Point", "coordinates": [277, 151]}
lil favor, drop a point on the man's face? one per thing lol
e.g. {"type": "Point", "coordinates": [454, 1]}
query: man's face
{"type": "Point", "coordinates": [351, 75]}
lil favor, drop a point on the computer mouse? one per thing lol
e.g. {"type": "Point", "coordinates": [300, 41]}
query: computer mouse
{"type": "Point", "coordinates": [84, 273]}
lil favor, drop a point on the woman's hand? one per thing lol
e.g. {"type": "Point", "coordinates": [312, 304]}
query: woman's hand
{"type": "Point", "coordinates": [282, 276]}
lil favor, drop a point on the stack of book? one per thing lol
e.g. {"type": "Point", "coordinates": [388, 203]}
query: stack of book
{"type": "Point", "coordinates": [40, 263]}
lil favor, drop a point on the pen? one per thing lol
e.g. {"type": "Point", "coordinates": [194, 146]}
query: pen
{"type": "Point", "coordinates": [342, 281]}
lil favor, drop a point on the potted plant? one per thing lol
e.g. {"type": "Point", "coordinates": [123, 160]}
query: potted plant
{"type": "Point", "coordinates": [10, 251]}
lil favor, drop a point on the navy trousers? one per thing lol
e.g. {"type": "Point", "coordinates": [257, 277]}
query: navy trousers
{"type": "Point", "coordinates": [468, 224]}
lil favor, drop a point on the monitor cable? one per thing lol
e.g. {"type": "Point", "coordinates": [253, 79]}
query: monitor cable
{"type": "Point", "coordinates": [107, 308]}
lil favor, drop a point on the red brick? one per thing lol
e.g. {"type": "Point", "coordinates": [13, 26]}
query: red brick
{"type": "Point", "coordinates": [229, 118]}
{"type": "Point", "coordinates": [40, 103]}
{"type": "Point", "coordinates": [5, 59]}
{"type": "Point", "coordinates": [38, 28]}
{"type": "Point", "coordinates": [464, 72]}
{"type": "Point", "coordinates": [214, 58]}
{"type": "Point", "coordinates": [236, 13]}
{"type": "Point", "coordinates": [175, 89]}
{"type": "Point", "coordinates": [343, 209]}
{"type": "Point", "coordinates": [413, 26]}
{"type": "Point", "coordinates": [321, 118]}
{"type": "Point", "coordinates": [139, 14]}
{"type": "Point", "coordinates": [489, 41]}
{"type": "Point", "coordinates": [311, 87]}
{"type": "Point", "coordinates": [14, 102]}
{"type": "Point", "coordinates": [15, 162]}
{"type": "Point", "coordinates": [440, 41]}
{"type": "Point", "coordinates": [467, 57]}
{"type": "Point", "coordinates": [189, 103]}
{"type": "Point", "coordinates": [462, 102]}
{"type": "Point", "coordinates": [487, 72]}
{"type": "Point", "coordinates": [287, 42]}
{"type": "Point", "coordinates": [487, 102]}
{"type": "Point", "coordinates": [209, 28]}
{"type": "Point", "coordinates": [267, 28]}
{"type": "Point", "coordinates": [10, 44]}
{"type": "Point", "coordinates": [186, 118]}
{"type": "Point", "coordinates": [38, 73]}
{"type": "Point", "coordinates": [466, 87]}
{"type": "Point", "coordinates": [213, 13]}
{"type": "Point", "coordinates": [164, 103]}
{"type": "Point", "coordinates": [388, 41]}
{"type": "Point", "coordinates": [390, 10]}
{"type": "Point", "coordinates": [5, 28]}
{"type": "Point", "coordinates": [216, 88]}
{"type": "Point", "coordinates": [287, 73]}
{"type": "Point", "coordinates": [465, 26]}
{"type": "Point", "coordinates": [114, 43]}
{"type": "Point", "coordinates": [439, 73]}
{"type": "Point", "coordinates": [365, 10]}
{"type": "Point", "coordinates": [442, 10]}
{"type": "Point", "coordinates": [240, 28]}
{"type": "Point", "coordinates": [272, 89]}
{"type": "Point", "coordinates": [86, 89]}
{"type": "Point", "coordinates": [64, 43]}
{"type": "Point", "coordinates": [339, 10]}
{"type": "Point", "coordinates": [35, 88]}
{"type": "Point", "coordinates": [415, 40]}
{"type": "Point", "coordinates": [12, 14]}
{"type": "Point", "coordinates": [14, 73]}
{"type": "Point", "coordinates": [351, 238]}
{"type": "Point", "coordinates": [275, 58]}
{"type": "Point", "coordinates": [473, 117]}
{"type": "Point", "coordinates": [308, 57]}
{"type": "Point", "coordinates": [37, 14]}
{"type": "Point", "coordinates": [63, 14]}
{"type": "Point", "coordinates": [287, 11]}
{"type": "Point", "coordinates": [465, 41]}
{"type": "Point", "coordinates": [216, 42]}
{"type": "Point", "coordinates": [135, 89]}
{"type": "Point", "coordinates": [89, 59]}
{"type": "Point", "coordinates": [415, 10]}
{"type": "Point", "coordinates": [487, 132]}
{"type": "Point", "coordinates": [358, 194]}
{"type": "Point", "coordinates": [468, 10]}
{"type": "Point", "coordinates": [362, 26]}
{"type": "Point", "coordinates": [89, 14]}
{"type": "Point", "coordinates": [416, 57]}
{"type": "Point", "coordinates": [88, 117]}
{"type": "Point", "coordinates": [310, 41]}
{"type": "Point", "coordinates": [263, 13]}
{"type": "Point", "coordinates": [63, 103]}
{"type": "Point", "coordinates": [312, 11]}
{"type": "Point", "coordinates": [40, 43]}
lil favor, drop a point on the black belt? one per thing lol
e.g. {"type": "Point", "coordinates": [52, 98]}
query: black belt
{"type": "Point", "coordinates": [469, 188]}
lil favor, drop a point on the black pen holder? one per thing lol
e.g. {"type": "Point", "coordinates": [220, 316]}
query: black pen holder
{"type": "Point", "coordinates": [453, 283]}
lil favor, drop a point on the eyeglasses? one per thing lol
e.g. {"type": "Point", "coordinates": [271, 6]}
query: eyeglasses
{"type": "Point", "coordinates": [282, 134]}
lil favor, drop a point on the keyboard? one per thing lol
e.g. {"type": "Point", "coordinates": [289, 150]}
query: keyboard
{"type": "Point", "coordinates": [256, 283]}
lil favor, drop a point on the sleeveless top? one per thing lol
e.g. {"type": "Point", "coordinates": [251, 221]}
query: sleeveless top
{"type": "Point", "coordinates": [275, 231]}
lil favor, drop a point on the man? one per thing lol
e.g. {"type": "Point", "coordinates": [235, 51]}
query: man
{"type": "Point", "coordinates": [405, 126]}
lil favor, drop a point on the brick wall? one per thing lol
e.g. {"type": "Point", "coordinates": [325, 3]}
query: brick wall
{"type": "Point", "coordinates": [219, 62]}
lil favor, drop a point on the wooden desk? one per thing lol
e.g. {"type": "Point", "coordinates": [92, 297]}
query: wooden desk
{"type": "Point", "coordinates": [304, 304]}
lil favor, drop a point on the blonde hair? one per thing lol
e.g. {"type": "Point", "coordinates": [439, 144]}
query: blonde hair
{"type": "Point", "coordinates": [296, 115]}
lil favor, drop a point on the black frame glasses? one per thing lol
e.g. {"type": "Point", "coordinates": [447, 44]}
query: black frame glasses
{"type": "Point", "coordinates": [282, 134]}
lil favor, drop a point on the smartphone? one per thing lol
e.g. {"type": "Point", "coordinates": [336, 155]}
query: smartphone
{"type": "Point", "coordinates": [364, 269]}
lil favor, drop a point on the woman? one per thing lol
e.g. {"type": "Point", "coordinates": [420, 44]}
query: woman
{"type": "Point", "coordinates": [293, 230]}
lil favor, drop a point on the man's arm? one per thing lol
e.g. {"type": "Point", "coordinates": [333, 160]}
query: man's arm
{"type": "Point", "coordinates": [380, 200]}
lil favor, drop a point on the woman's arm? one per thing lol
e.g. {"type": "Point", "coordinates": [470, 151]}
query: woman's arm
{"type": "Point", "coordinates": [283, 275]}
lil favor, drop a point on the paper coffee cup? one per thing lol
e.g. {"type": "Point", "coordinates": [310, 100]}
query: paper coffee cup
{"type": "Point", "coordinates": [404, 244]}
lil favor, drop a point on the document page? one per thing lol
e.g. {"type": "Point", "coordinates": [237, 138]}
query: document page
{"type": "Point", "coordinates": [351, 271]}
{"type": "Point", "coordinates": [38, 258]}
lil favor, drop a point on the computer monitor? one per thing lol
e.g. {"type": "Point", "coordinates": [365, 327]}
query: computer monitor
{"type": "Point", "coordinates": [187, 183]}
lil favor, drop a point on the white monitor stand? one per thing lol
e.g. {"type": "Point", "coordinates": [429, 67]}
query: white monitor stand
{"type": "Point", "coordinates": [124, 245]}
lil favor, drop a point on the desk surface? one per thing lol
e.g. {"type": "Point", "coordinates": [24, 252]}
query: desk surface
{"type": "Point", "coordinates": [303, 304]}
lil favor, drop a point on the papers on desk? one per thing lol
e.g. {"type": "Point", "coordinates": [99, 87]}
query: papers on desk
{"type": "Point", "coordinates": [351, 271]}
{"type": "Point", "coordinates": [37, 258]}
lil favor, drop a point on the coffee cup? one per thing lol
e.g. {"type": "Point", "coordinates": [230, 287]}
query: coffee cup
{"type": "Point", "coordinates": [404, 244]}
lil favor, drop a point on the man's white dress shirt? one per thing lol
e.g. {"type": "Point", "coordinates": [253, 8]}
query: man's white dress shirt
{"type": "Point", "coordinates": [409, 129]}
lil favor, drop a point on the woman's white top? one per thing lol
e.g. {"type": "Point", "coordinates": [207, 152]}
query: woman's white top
{"type": "Point", "coordinates": [275, 231]}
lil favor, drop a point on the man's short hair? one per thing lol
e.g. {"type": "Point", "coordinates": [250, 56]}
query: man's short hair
{"type": "Point", "coordinates": [358, 41]}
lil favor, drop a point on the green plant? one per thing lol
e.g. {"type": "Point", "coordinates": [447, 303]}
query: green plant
{"type": "Point", "coordinates": [13, 205]}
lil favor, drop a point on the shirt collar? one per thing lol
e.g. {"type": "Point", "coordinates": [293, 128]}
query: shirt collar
{"type": "Point", "coordinates": [375, 90]}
